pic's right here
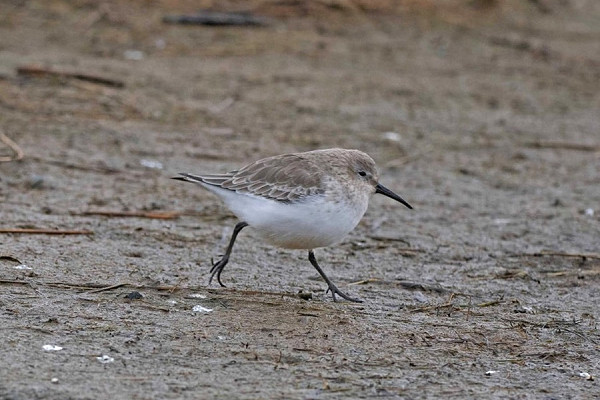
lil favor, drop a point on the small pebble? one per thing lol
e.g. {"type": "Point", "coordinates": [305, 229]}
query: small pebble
{"type": "Point", "coordinates": [134, 296]}
{"type": "Point", "coordinates": [305, 295]}
{"type": "Point", "coordinates": [420, 297]}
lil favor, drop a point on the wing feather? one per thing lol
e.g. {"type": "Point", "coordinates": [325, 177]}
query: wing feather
{"type": "Point", "coordinates": [284, 178]}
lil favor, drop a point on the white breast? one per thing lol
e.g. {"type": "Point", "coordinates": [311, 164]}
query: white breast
{"type": "Point", "coordinates": [309, 224]}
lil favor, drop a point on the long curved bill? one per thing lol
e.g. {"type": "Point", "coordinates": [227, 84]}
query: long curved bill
{"type": "Point", "coordinates": [387, 192]}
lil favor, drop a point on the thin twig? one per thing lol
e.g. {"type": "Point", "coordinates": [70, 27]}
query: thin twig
{"type": "Point", "coordinates": [19, 154]}
{"type": "Point", "coordinates": [103, 286]}
{"type": "Point", "coordinates": [364, 281]}
{"type": "Point", "coordinates": [42, 231]}
{"type": "Point", "coordinates": [11, 258]}
{"type": "Point", "coordinates": [40, 71]}
{"type": "Point", "coordinates": [13, 282]}
{"type": "Point", "coordinates": [421, 286]}
{"type": "Point", "coordinates": [213, 18]}
{"type": "Point", "coordinates": [560, 254]}
{"type": "Point", "coordinates": [63, 164]}
{"type": "Point", "coordinates": [138, 214]}
{"type": "Point", "coordinates": [563, 145]}
{"type": "Point", "coordinates": [104, 289]}
{"type": "Point", "coordinates": [490, 303]}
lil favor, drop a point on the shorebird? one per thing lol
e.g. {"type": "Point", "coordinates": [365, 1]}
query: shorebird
{"type": "Point", "coordinates": [298, 201]}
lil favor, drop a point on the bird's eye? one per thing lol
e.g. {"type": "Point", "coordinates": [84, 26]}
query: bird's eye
{"type": "Point", "coordinates": [362, 173]}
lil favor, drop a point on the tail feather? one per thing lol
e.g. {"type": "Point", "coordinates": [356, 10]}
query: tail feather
{"type": "Point", "coordinates": [214, 179]}
{"type": "Point", "coordinates": [188, 178]}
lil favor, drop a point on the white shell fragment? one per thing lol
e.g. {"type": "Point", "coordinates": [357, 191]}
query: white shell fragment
{"type": "Point", "coordinates": [586, 376]}
{"type": "Point", "coordinates": [392, 136]}
{"type": "Point", "coordinates": [22, 266]}
{"type": "Point", "coordinates": [51, 347]}
{"type": "Point", "coordinates": [105, 359]}
{"type": "Point", "coordinates": [196, 296]}
{"type": "Point", "coordinates": [151, 164]}
{"type": "Point", "coordinates": [490, 372]}
{"type": "Point", "coordinates": [199, 308]}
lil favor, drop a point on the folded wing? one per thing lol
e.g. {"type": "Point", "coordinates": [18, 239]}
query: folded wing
{"type": "Point", "coordinates": [282, 178]}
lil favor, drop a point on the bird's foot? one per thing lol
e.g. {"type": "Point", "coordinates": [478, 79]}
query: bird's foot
{"type": "Point", "coordinates": [334, 290]}
{"type": "Point", "coordinates": [217, 268]}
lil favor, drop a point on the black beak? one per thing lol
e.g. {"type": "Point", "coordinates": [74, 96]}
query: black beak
{"type": "Point", "coordinates": [387, 192]}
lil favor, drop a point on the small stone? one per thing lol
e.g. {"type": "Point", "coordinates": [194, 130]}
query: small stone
{"type": "Point", "coordinates": [134, 296]}
{"type": "Point", "coordinates": [305, 295]}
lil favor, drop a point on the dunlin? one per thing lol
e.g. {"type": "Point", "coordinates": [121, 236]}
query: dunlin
{"type": "Point", "coordinates": [298, 201]}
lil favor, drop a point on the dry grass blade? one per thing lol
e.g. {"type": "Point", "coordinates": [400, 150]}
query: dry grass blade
{"type": "Point", "coordinates": [100, 169]}
{"type": "Point", "coordinates": [563, 146]}
{"type": "Point", "coordinates": [549, 253]}
{"type": "Point", "coordinates": [364, 281]}
{"type": "Point", "coordinates": [41, 72]}
{"type": "Point", "coordinates": [111, 287]}
{"type": "Point", "coordinates": [42, 231]}
{"type": "Point", "coordinates": [19, 154]}
{"type": "Point", "coordinates": [138, 214]}
{"type": "Point", "coordinates": [11, 258]}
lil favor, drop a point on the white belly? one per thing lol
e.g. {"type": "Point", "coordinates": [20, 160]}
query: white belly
{"type": "Point", "coordinates": [304, 225]}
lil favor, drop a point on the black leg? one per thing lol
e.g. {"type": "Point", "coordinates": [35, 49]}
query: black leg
{"type": "Point", "coordinates": [332, 287]}
{"type": "Point", "coordinates": [218, 267]}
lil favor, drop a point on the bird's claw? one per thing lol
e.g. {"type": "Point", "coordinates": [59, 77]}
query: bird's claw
{"type": "Point", "coordinates": [334, 290]}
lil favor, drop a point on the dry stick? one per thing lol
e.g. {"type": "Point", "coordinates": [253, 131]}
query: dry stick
{"type": "Point", "coordinates": [420, 286]}
{"type": "Point", "coordinates": [252, 292]}
{"type": "Point", "coordinates": [405, 284]}
{"type": "Point", "coordinates": [63, 164]}
{"type": "Point", "coordinates": [35, 231]}
{"type": "Point", "coordinates": [10, 258]}
{"type": "Point", "coordinates": [86, 285]}
{"type": "Point", "coordinates": [103, 289]}
{"type": "Point", "coordinates": [40, 71]}
{"type": "Point", "coordinates": [563, 145]}
{"type": "Point", "coordinates": [559, 254]}
{"type": "Point", "coordinates": [13, 282]}
{"type": "Point", "coordinates": [19, 154]}
{"type": "Point", "coordinates": [212, 18]}
{"type": "Point", "coordinates": [174, 288]}
{"type": "Point", "coordinates": [491, 303]}
{"type": "Point", "coordinates": [139, 214]}
{"type": "Point", "coordinates": [578, 272]}
{"type": "Point", "coordinates": [364, 281]}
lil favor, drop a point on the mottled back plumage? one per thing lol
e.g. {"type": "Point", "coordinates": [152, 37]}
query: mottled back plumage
{"type": "Point", "coordinates": [286, 178]}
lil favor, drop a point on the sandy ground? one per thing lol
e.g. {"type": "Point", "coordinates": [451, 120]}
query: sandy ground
{"type": "Point", "coordinates": [483, 114]}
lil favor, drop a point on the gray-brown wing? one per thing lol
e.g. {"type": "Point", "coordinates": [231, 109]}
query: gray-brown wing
{"type": "Point", "coordinates": [286, 178]}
